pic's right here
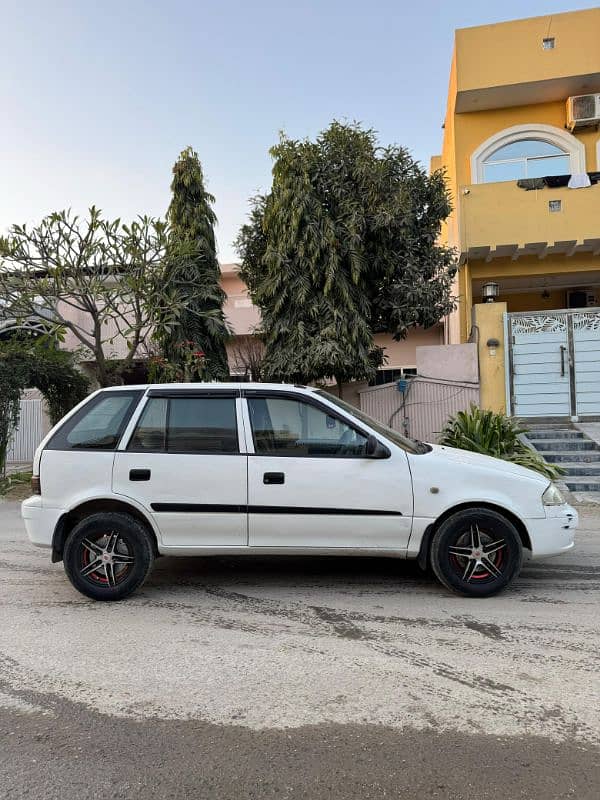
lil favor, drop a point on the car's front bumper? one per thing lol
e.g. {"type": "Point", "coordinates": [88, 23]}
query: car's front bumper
{"type": "Point", "coordinates": [555, 533]}
{"type": "Point", "coordinates": [40, 521]}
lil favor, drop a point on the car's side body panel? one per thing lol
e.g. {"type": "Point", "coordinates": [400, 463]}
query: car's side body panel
{"type": "Point", "coordinates": [195, 500]}
{"type": "Point", "coordinates": [220, 502]}
{"type": "Point", "coordinates": [353, 502]}
{"type": "Point", "coordinates": [71, 477]}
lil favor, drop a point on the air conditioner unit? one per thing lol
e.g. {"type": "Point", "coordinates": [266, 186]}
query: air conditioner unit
{"type": "Point", "coordinates": [582, 110]}
{"type": "Point", "coordinates": [581, 298]}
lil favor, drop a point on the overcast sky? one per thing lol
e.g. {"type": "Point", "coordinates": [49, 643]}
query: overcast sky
{"type": "Point", "coordinates": [98, 98]}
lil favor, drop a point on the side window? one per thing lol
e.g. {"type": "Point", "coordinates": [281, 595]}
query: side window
{"type": "Point", "coordinates": [286, 427]}
{"type": "Point", "coordinates": [187, 425]}
{"type": "Point", "coordinates": [150, 434]}
{"type": "Point", "coordinates": [98, 425]}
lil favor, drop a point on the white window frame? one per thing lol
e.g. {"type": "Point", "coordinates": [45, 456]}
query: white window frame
{"type": "Point", "coordinates": [399, 366]}
{"type": "Point", "coordinates": [571, 146]}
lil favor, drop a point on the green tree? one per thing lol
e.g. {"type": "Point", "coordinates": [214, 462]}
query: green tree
{"type": "Point", "coordinates": [99, 279]}
{"type": "Point", "coordinates": [195, 277]}
{"type": "Point", "coordinates": [342, 247]}
{"type": "Point", "coordinates": [26, 363]}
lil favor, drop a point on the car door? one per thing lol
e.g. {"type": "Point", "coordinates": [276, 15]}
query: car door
{"type": "Point", "coordinates": [311, 484]}
{"type": "Point", "coordinates": [183, 461]}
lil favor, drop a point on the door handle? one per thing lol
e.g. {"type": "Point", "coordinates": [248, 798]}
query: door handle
{"type": "Point", "coordinates": [139, 474]}
{"type": "Point", "coordinates": [274, 477]}
{"type": "Point", "coordinates": [562, 360]}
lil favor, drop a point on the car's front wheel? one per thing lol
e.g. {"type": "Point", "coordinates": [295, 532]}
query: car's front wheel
{"type": "Point", "coordinates": [108, 556]}
{"type": "Point", "coordinates": [476, 552]}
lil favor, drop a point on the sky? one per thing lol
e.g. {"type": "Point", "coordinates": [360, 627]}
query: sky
{"type": "Point", "coordinates": [98, 99]}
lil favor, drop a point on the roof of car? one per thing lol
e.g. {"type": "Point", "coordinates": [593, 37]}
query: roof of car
{"type": "Point", "coordinates": [213, 385]}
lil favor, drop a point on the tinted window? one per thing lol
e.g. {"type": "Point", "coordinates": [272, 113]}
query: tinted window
{"type": "Point", "coordinates": [286, 427]}
{"type": "Point", "coordinates": [151, 431]}
{"type": "Point", "coordinates": [412, 445]}
{"type": "Point", "coordinates": [98, 425]}
{"type": "Point", "coordinates": [187, 425]}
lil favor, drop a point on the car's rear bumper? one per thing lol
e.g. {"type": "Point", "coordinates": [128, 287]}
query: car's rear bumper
{"type": "Point", "coordinates": [554, 534]}
{"type": "Point", "coordinates": [40, 522]}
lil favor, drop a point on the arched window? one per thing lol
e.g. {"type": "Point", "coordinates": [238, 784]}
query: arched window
{"type": "Point", "coordinates": [526, 158]}
{"type": "Point", "coordinates": [527, 151]}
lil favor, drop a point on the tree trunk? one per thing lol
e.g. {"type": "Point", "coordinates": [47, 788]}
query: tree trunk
{"type": "Point", "coordinates": [340, 387]}
{"type": "Point", "coordinates": [100, 368]}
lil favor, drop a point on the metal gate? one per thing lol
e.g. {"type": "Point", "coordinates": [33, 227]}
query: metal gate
{"type": "Point", "coordinates": [33, 426]}
{"type": "Point", "coordinates": [554, 363]}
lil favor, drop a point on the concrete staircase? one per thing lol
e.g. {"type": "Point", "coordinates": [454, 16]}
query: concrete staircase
{"type": "Point", "coordinates": [569, 448]}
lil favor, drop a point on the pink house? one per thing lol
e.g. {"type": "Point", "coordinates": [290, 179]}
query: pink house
{"type": "Point", "coordinates": [243, 318]}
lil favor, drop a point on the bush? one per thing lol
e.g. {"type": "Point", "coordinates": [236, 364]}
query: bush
{"type": "Point", "coordinates": [26, 364]}
{"type": "Point", "coordinates": [497, 435]}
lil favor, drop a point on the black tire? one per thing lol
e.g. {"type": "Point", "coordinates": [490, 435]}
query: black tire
{"type": "Point", "coordinates": [99, 572]}
{"type": "Point", "coordinates": [476, 552]}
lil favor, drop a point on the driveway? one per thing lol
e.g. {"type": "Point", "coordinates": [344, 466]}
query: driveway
{"type": "Point", "coordinates": [299, 677]}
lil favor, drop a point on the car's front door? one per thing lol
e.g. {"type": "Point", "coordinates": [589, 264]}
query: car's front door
{"type": "Point", "coordinates": [184, 463]}
{"type": "Point", "coordinates": [311, 484]}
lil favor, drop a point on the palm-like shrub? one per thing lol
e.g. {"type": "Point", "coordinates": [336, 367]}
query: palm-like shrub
{"type": "Point", "coordinates": [497, 435]}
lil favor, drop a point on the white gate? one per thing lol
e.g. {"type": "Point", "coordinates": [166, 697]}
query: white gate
{"type": "Point", "coordinates": [554, 363]}
{"type": "Point", "coordinates": [586, 348]}
{"type": "Point", "coordinates": [33, 426]}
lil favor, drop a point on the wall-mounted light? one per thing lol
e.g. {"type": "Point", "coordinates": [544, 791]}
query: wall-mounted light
{"type": "Point", "coordinates": [492, 345]}
{"type": "Point", "coordinates": [489, 292]}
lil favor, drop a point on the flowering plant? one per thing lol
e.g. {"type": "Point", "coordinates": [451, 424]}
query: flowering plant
{"type": "Point", "coordinates": [190, 365]}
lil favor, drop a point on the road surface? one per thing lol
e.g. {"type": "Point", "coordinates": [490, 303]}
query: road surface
{"type": "Point", "coordinates": [299, 677]}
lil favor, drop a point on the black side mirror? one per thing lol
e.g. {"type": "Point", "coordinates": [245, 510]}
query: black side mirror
{"type": "Point", "coordinates": [374, 449]}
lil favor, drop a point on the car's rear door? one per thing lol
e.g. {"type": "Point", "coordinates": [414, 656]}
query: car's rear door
{"type": "Point", "coordinates": [311, 484]}
{"type": "Point", "coordinates": [185, 462]}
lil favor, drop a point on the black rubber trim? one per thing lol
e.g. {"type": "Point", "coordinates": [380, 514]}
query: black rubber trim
{"type": "Point", "coordinates": [197, 508]}
{"type": "Point", "coordinates": [208, 508]}
{"type": "Point", "coordinates": [58, 540]}
{"type": "Point", "coordinates": [193, 393]}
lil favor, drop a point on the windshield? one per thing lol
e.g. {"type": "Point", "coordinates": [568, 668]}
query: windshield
{"type": "Point", "coordinates": [405, 442]}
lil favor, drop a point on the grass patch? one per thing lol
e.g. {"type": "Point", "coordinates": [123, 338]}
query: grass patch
{"type": "Point", "coordinates": [16, 486]}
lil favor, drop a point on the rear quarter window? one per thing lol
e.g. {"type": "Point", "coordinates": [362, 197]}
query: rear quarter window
{"type": "Point", "coordinates": [99, 425]}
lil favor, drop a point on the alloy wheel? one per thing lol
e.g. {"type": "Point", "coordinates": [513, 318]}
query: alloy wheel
{"type": "Point", "coordinates": [105, 559]}
{"type": "Point", "coordinates": [477, 556]}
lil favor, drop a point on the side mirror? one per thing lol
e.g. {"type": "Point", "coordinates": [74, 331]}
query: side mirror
{"type": "Point", "coordinates": [374, 449]}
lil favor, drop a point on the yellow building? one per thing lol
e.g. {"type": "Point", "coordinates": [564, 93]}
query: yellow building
{"type": "Point", "coordinates": [521, 132]}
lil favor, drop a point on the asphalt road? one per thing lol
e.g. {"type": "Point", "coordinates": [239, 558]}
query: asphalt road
{"type": "Point", "coordinates": [290, 677]}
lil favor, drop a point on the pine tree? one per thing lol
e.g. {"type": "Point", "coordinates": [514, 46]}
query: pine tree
{"type": "Point", "coordinates": [195, 271]}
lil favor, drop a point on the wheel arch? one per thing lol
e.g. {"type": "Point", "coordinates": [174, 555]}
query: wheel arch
{"type": "Point", "coordinates": [423, 557]}
{"type": "Point", "coordinates": [67, 521]}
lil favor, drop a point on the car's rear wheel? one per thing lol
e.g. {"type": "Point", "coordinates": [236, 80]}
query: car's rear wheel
{"type": "Point", "coordinates": [476, 552]}
{"type": "Point", "coordinates": [108, 556]}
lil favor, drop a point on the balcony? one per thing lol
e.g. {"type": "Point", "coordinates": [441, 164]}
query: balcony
{"type": "Point", "coordinates": [500, 220]}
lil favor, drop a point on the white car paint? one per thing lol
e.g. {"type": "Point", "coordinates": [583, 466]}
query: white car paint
{"type": "Point", "coordinates": [412, 490]}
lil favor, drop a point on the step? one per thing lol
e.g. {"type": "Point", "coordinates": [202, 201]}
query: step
{"type": "Point", "coordinates": [564, 445]}
{"type": "Point", "coordinates": [545, 434]}
{"type": "Point", "coordinates": [582, 457]}
{"type": "Point", "coordinates": [547, 426]}
{"type": "Point", "coordinates": [581, 484]}
{"type": "Point", "coordinates": [580, 468]}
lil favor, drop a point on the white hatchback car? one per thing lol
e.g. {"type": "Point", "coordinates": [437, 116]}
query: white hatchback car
{"type": "Point", "coordinates": [210, 469]}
